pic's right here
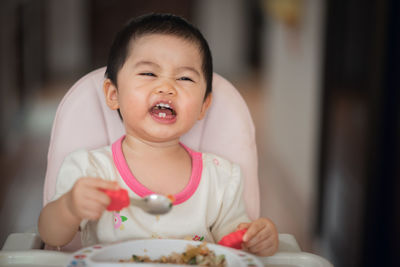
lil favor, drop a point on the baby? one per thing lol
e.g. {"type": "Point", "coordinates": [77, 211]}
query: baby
{"type": "Point", "coordinates": [158, 77]}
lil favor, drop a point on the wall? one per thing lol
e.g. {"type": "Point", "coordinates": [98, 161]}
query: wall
{"type": "Point", "coordinates": [224, 24]}
{"type": "Point", "coordinates": [292, 85]}
{"type": "Point", "coordinates": [68, 38]}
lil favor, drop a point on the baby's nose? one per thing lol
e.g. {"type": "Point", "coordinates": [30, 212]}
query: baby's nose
{"type": "Point", "coordinates": [167, 89]}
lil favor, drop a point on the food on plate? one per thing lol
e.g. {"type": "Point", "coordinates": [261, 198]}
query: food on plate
{"type": "Point", "coordinates": [194, 255]}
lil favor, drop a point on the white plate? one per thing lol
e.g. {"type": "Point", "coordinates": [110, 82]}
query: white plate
{"type": "Point", "coordinates": [109, 255]}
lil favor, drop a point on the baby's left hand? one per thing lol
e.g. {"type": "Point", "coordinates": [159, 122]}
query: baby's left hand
{"type": "Point", "coordinates": [261, 237]}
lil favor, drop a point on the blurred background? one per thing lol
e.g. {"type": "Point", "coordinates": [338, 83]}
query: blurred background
{"type": "Point", "coordinates": [321, 78]}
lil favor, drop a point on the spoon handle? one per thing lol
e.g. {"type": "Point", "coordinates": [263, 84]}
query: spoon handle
{"type": "Point", "coordinates": [119, 199]}
{"type": "Point", "coordinates": [233, 240]}
{"type": "Point", "coordinates": [139, 203]}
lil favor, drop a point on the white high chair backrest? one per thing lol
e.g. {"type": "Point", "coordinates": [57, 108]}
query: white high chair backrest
{"type": "Point", "coordinates": [83, 120]}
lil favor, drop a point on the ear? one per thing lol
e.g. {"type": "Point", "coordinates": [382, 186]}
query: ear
{"type": "Point", "coordinates": [111, 94]}
{"type": "Point", "coordinates": [206, 105]}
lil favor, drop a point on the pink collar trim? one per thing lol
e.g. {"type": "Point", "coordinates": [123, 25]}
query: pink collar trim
{"type": "Point", "coordinates": [141, 190]}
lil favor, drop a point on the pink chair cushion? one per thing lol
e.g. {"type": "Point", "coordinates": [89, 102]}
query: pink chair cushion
{"type": "Point", "coordinates": [83, 120]}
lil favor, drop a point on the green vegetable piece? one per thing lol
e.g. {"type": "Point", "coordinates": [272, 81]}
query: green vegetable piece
{"type": "Point", "coordinates": [192, 261]}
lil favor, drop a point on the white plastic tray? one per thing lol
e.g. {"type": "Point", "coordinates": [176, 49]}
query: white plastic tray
{"type": "Point", "coordinates": [36, 258]}
{"type": "Point", "coordinates": [20, 251]}
{"type": "Point", "coordinates": [33, 258]}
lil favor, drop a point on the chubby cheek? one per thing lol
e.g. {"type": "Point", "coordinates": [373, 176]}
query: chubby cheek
{"type": "Point", "coordinates": [133, 108]}
{"type": "Point", "coordinates": [191, 111]}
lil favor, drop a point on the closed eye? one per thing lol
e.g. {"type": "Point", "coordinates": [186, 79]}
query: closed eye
{"type": "Point", "coordinates": [147, 74]}
{"type": "Point", "coordinates": [185, 79]}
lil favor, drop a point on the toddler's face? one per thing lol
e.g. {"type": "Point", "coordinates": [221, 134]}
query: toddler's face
{"type": "Point", "coordinates": [161, 88]}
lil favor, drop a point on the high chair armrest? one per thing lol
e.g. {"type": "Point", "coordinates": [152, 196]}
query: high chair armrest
{"type": "Point", "coordinates": [290, 254]}
{"type": "Point", "coordinates": [22, 241]}
{"type": "Point", "coordinates": [288, 243]}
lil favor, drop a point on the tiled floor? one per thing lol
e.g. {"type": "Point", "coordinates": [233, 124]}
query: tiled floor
{"type": "Point", "coordinates": [24, 167]}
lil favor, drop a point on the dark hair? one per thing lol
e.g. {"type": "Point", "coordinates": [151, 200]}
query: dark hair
{"type": "Point", "coordinates": [157, 24]}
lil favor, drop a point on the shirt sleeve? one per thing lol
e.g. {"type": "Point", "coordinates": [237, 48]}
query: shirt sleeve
{"type": "Point", "coordinates": [75, 166]}
{"type": "Point", "coordinates": [233, 211]}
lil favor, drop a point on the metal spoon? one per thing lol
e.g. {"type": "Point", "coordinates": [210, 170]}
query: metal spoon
{"type": "Point", "coordinates": [153, 204]}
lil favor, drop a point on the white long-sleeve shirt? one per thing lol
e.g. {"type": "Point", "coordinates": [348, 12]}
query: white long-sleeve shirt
{"type": "Point", "coordinates": [209, 207]}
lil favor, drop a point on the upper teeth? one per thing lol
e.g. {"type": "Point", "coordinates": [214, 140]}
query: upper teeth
{"type": "Point", "coordinates": [163, 105]}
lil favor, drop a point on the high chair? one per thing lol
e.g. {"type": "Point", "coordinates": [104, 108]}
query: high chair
{"type": "Point", "coordinates": [83, 120]}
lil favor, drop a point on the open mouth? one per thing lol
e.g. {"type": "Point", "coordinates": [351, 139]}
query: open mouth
{"type": "Point", "coordinates": [163, 111]}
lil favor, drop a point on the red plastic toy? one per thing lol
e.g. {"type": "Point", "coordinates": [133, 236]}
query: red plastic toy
{"type": "Point", "coordinates": [233, 240]}
{"type": "Point", "coordinates": [119, 199]}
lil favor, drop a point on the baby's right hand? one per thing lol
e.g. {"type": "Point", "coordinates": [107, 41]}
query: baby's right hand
{"type": "Point", "coordinates": [86, 201]}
